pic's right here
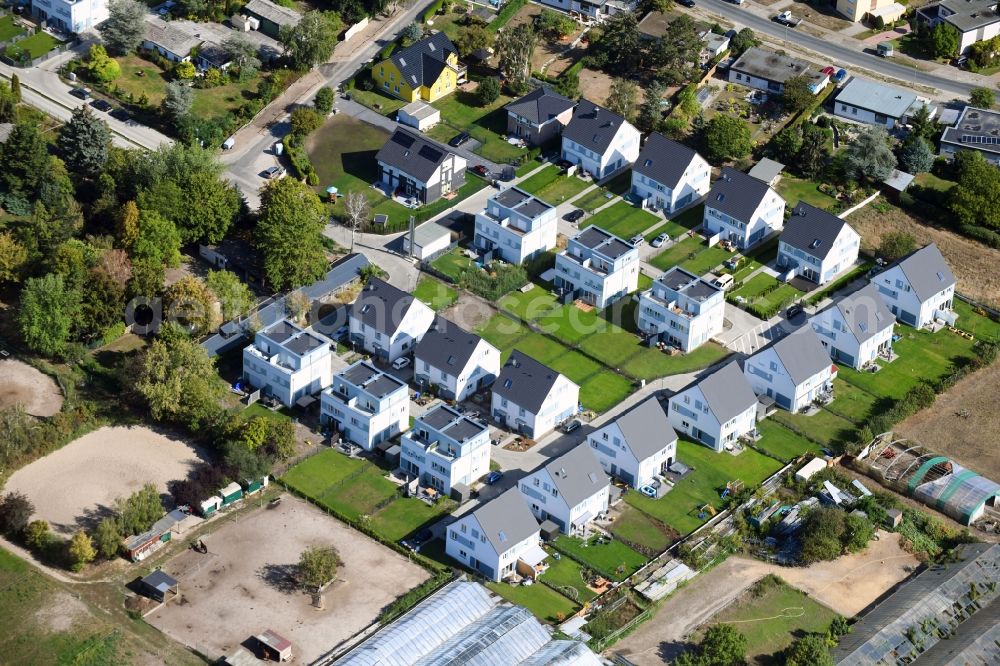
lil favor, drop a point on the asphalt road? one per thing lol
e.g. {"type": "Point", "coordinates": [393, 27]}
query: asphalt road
{"type": "Point", "coordinates": [839, 55]}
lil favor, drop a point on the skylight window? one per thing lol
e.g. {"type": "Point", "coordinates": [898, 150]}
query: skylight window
{"type": "Point", "coordinates": [365, 308]}
{"type": "Point", "coordinates": [940, 276]}
{"type": "Point", "coordinates": [648, 163]}
{"type": "Point", "coordinates": [508, 383]}
{"type": "Point", "coordinates": [451, 360]}
{"type": "Point", "coordinates": [502, 536]}
{"type": "Point", "coordinates": [402, 61]}
{"type": "Point", "coordinates": [863, 326]}
{"type": "Point", "coordinates": [815, 244]}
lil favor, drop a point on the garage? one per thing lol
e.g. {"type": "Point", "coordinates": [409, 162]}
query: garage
{"type": "Point", "coordinates": [420, 115]}
{"type": "Point", "coordinates": [428, 240]}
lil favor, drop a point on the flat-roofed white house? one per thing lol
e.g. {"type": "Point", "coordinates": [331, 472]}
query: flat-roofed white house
{"type": "Point", "coordinates": [445, 448]}
{"type": "Point", "coordinates": [668, 175]}
{"type": "Point", "coordinates": [919, 288]}
{"type": "Point", "coordinates": [877, 103]}
{"type": "Point", "coordinates": [532, 398]}
{"type": "Point", "coordinates": [974, 20]}
{"type": "Point", "coordinates": [768, 71]}
{"type": "Point", "coordinates": [975, 129]}
{"type": "Point", "coordinates": [817, 245]}
{"type": "Point", "coordinates": [682, 309]}
{"type": "Point", "coordinates": [410, 165]}
{"type": "Point", "coordinates": [570, 490]}
{"type": "Point", "coordinates": [716, 410]}
{"type": "Point", "coordinates": [386, 321]}
{"type": "Point", "coordinates": [539, 116]}
{"type": "Point", "coordinates": [288, 362]}
{"type": "Point", "coordinates": [599, 141]}
{"type": "Point", "coordinates": [795, 371]}
{"type": "Point", "coordinates": [742, 209]}
{"type": "Point", "coordinates": [457, 362]}
{"type": "Point", "coordinates": [427, 241]}
{"type": "Point", "coordinates": [856, 329]}
{"type": "Point", "coordinates": [598, 267]}
{"type": "Point", "coordinates": [70, 15]}
{"type": "Point", "coordinates": [637, 446]}
{"type": "Point", "coordinates": [366, 405]}
{"type": "Point", "coordinates": [494, 538]}
{"type": "Point", "coordinates": [516, 226]}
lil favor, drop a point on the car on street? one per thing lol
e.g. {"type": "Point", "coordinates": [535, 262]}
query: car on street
{"type": "Point", "coordinates": [401, 362]}
{"type": "Point", "coordinates": [493, 477]}
{"type": "Point", "coordinates": [481, 170]}
{"type": "Point", "coordinates": [274, 172]}
{"type": "Point", "coordinates": [648, 491]}
{"type": "Point", "coordinates": [101, 105]}
{"type": "Point", "coordinates": [660, 240]}
{"type": "Point", "coordinates": [686, 3]}
{"type": "Point", "coordinates": [570, 426]}
{"type": "Point", "coordinates": [121, 114]}
{"type": "Point", "coordinates": [573, 215]}
{"type": "Point", "coordinates": [785, 19]}
{"type": "Point", "coordinates": [82, 93]}
{"type": "Point", "coordinates": [637, 240]}
{"type": "Point", "coordinates": [459, 139]}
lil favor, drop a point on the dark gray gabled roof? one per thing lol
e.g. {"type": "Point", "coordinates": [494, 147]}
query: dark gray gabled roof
{"type": "Point", "coordinates": [646, 429]}
{"type": "Point", "coordinates": [802, 354]}
{"type": "Point", "coordinates": [382, 306]}
{"type": "Point", "coordinates": [737, 194]}
{"type": "Point", "coordinates": [540, 105]}
{"type": "Point", "coordinates": [577, 474]}
{"type": "Point", "coordinates": [927, 271]}
{"type": "Point", "coordinates": [447, 346]}
{"type": "Point", "coordinates": [412, 154]}
{"type": "Point", "coordinates": [812, 230]}
{"type": "Point", "coordinates": [593, 126]}
{"type": "Point", "coordinates": [506, 520]}
{"type": "Point", "coordinates": [422, 62]}
{"type": "Point", "coordinates": [664, 160]}
{"type": "Point", "coordinates": [524, 381]}
{"type": "Point", "coordinates": [727, 392]}
{"type": "Point", "coordinates": [865, 313]}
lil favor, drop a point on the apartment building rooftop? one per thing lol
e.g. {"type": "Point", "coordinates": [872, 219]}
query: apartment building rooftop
{"type": "Point", "coordinates": [449, 422]}
{"type": "Point", "coordinates": [524, 203]}
{"type": "Point", "coordinates": [295, 339]}
{"type": "Point", "coordinates": [369, 378]}
{"type": "Point", "coordinates": [687, 283]}
{"type": "Point", "coordinates": [603, 242]}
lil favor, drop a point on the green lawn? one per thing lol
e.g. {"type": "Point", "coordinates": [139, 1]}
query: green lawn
{"type": "Point", "coordinates": [38, 44]}
{"type": "Point", "coordinates": [611, 559]}
{"type": "Point", "coordinates": [529, 305]}
{"type": "Point", "coordinates": [706, 260]}
{"type": "Point", "coordinates": [544, 602]}
{"type": "Point", "coordinates": [613, 345]}
{"type": "Point", "coordinates": [361, 495]}
{"type": "Point", "coordinates": [576, 366]}
{"type": "Point", "coordinates": [670, 227]}
{"type": "Point", "coordinates": [408, 514]}
{"type": "Point", "coordinates": [781, 442]}
{"type": "Point", "coordinates": [9, 29]}
{"type": "Point", "coordinates": [923, 356]}
{"type": "Point", "coordinates": [552, 186]}
{"type": "Point", "coordinates": [643, 530]}
{"type": "Point", "coordinates": [571, 324]}
{"type": "Point", "coordinates": [460, 112]}
{"type": "Point", "coordinates": [314, 475]}
{"type": "Point", "coordinates": [683, 251]}
{"type": "Point", "coordinates": [594, 199]}
{"type": "Point", "coordinates": [772, 615]}
{"type": "Point", "coordinates": [711, 471]}
{"type": "Point", "coordinates": [978, 325]}
{"type": "Point", "coordinates": [258, 409]}
{"type": "Point", "coordinates": [623, 220]}
{"type": "Point", "coordinates": [377, 100]}
{"type": "Point", "coordinates": [452, 263]}
{"type": "Point", "coordinates": [540, 347]}
{"type": "Point", "coordinates": [794, 190]}
{"type": "Point", "coordinates": [853, 403]}
{"type": "Point", "coordinates": [142, 76]}
{"type": "Point", "coordinates": [652, 363]}
{"type": "Point", "coordinates": [568, 573]}
{"type": "Point", "coordinates": [752, 289]}
{"type": "Point", "coordinates": [502, 332]}
{"type": "Point", "coordinates": [435, 293]}
{"type": "Point", "coordinates": [605, 390]}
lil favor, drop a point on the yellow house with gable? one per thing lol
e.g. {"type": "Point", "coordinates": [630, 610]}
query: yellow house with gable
{"type": "Point", "coordinates": [426, 70]}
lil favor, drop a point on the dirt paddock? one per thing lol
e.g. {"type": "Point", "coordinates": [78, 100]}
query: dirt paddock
{"type": "Point", "coordinates": [32, 389]}
{"type": "Point", "coordinates": [846, 585]}
{"type": "Point", "coordinates": [77, 485]}
{"type": "Point", "coordinates": [243, 585]}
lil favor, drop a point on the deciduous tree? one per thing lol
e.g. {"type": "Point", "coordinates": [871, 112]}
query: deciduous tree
{"type": "Point", "coordinates": [552, 24]}
{"type": "Point", "coordinates": [15, 512]}
{"type": "Point", "coordinates": [13, 257]}
{"type": "Point", "coordinates": [107, 538]}
{"type": "Point", "coordinates": [797, 94]}
{"type": "Point", "coordinates": [125, 26]}
{"type": "Point", "coordinates": [727, 138]}
{"type": "Point", "coordinates": [323, 102]}
{"type": "Point", "coordinates": [944, 40]}
{"type": "Point", "coordinates": [472, 38]}
{"type": "Point", "coordinates": [47, 313]}
{"type": "Point", "coordinates": [192, 305]}
{"type": "Point", "coordinates": [101, 66]}
{"type": "Point", "coordinates": [289, 234]}
{"type": "Point", "coordinates": [312, 40]}
{"type": "Point", "coordinates": [305, 120]}
{"type": "Point", "coordinates": [37, 535]}
{"type": "Point", "coordinates": [983, 98]}
{"type": "Point", "coordinates": [179, 383]}
{"type": "Point", "coordinates": [742, 41]}
{"type": "Point", "coordinates": [621, 98]}
{"type": "Point", "coordinates": [81, 551]}
{"type": "Point", "coordinates": [317, 566]}
{"type": "Point", "coordinates": [514, 48]}
{"type": "Point", "coordinates": [809, 650]}
{"type": "Point", "coordinates": [235, 298]}
{"type": "Point", "coordinates": [244, 54]}
{"type": "Point", "coordinates": [650, 114]}
{"type": "Point", "coordinates": [869, 158]}
{"type": "Point", "coordinates": [975, 199]}
{"type": "Point", "coordinates": [488, 91]}
{"type": "Point", "coordinates": [619, 48]}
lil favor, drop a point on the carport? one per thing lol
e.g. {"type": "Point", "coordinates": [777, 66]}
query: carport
{"type": "Point", "coordinates": [158, 586]}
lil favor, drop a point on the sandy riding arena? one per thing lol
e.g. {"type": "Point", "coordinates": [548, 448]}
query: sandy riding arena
{"type": "Point", "coordinates": [78, 484]}
{"type": "Point", "coordinates": [245, 584]}
{"type": "Point", "coordinates": [34, 390]}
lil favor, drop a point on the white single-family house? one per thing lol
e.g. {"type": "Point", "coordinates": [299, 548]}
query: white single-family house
{"type": "Point", "coordinates": [445, 448]}
{"type": "Point", "coordinates": [386, 321]}
{"type": "Point", "coordinates": [570, 490]}
{"type": "Point", "coordinates": [539, 116]}
{"type": "Point", "coordinates": [973, 20]}
{"type": "Point", "coordinates": [794, 371]}
{"type": "Point", "coordinates": [457, 362]}
{"type": "Point", "coordinates": [288, 362]}
{"type": "Point", "coordinates": [877, 103]}
{"type": "Point", "coordinates": [494, 538]}
{"type": "Point", "coordinates": [919, 288]}
{"type": "Point", "coordinates": [411, 165]}
{"type": "Point", "coordinates": [668, 175]}
{"type": "Point", "coordinates": [742, 209]}
{"type": "Point", "coordinates": [974, 129]}
{"type": "Point", "coordinates": [598, 267]}
{"type": "Point", "coordinates": [716, 410]}
{"type": "Point", "coordinates": [817, 245]}
{"type": "Point", "coordinates": [599, 141]}
{"type": "Point", "coordinates": [637, 446]}
{"type": "Point", "coordinates": [682, 309]}
{"type": "Point", "coordinates": [366, 405]}
{"type": "Point", "coordinates": [70, 15]}
{"type": "Point", "coordinates": [768, 71]}
{"type": "Point", "coordinates": [856, 329]}
{"type": "Point", "coordinates": [531, 397]}
{"type": "Point", "coordinates": [516, 226]}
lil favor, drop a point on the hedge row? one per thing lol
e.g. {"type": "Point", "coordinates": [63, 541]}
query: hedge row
{"type": "Point", "coordinates": [302, 167]}
{"type": "Point", "coordinates": [431, 11]}
{"type": "Point", "coordinates": [506, 14]}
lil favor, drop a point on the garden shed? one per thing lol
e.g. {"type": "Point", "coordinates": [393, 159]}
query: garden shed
{"type": "Point", "coordinates": [158, 586]}
{"type": "Point", "coordinates": [231, 493]}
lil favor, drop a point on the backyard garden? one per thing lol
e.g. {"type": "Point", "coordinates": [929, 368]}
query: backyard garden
{"type": "Point", "coordinates": [623, 220]}
{"type": "Point", "coordinates": [553, 186]}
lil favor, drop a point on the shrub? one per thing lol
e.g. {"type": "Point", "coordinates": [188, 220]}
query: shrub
{"type": "Point", "coordinates": [37, 535]}
{"type": "Point", "coordinates": [324, 100]}
{"type": "Point", "coordinates": [500, 279]}
{"type": "Point", "coordinates": [488, 91]}
{"type": "Point", "coordinates": [15, 512]}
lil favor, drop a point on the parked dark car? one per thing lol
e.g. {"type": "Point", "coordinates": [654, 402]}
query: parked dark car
{"type": "Point", "coordinates": [570, 426]}
{"type": "Point", "coordinates": [101, 105]}
{"type": "Point", "coordinates": [573, 215]}
{"type": "Point", "coordinates": [82, 93]}
{"type": "Point", "coordinates": [121, 114]}
{"type": "Point", "coordinates": [794, 310]}
{"type": "Point", "coordinates": [493, 477]}
{"type": "Point", "coordinates": [481, 170]}
{"type": "Point", "coordinates": [686, 3]}
{"type": "Point", "coordinates": [459, 139]}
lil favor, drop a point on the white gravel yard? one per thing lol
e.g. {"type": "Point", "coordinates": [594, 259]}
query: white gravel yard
{"type": "Point", "coordinates": [79, 483]}
{"type": "Point", "coordinates": [32, 389]}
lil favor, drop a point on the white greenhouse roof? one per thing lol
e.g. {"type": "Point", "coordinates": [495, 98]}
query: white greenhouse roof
{"type": "Point", "coordinates": [505, 635]}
